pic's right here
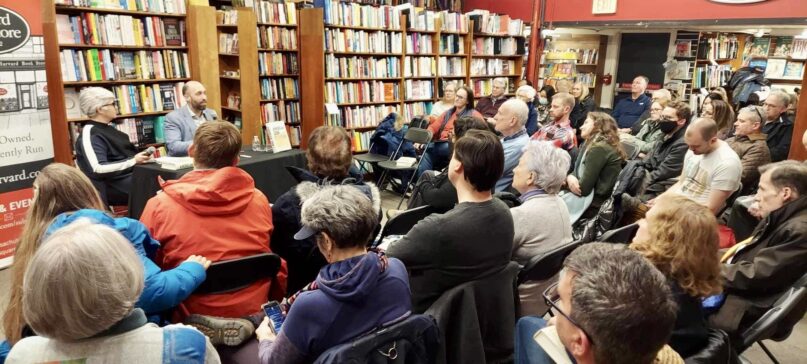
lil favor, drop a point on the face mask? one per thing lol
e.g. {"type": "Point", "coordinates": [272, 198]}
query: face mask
{"type": "Point", "coordinates": [543, 101]}
{"type": "Point", "coordinates": [667, 126]}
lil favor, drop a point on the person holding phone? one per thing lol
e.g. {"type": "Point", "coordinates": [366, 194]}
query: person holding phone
{"type": "Point", "coordinates": [367, 289]}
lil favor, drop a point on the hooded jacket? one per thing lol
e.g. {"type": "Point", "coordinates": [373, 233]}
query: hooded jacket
{"type": "Point", "coordinates": [354, 296]}
{"type": "Point", "coordinates": [665, 163]}
{"type": "Point", "coordinates": [218, 214]}
{"type": "Point", "coordinates": [162, 290]}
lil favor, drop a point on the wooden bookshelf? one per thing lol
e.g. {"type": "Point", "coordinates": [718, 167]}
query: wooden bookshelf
{"type": "Point", "coordinates": [598, 43]}
{"type": "Point", "coordinates": [694, 58]}
{"type": "Point", "coordinates": [58, 87]}
{"type": "Point", "coordinates": [312, 60]}
{"type": "Point", "coordinates": [481, 81]}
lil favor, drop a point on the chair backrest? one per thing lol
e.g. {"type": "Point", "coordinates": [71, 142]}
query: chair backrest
{"type": "Point", "coordinates": [402, 223]}
{"type": "Point", "coordinates": [778, 321]}
{"type": "Point", "coordinates": [545, 266]}
{"type": "Point", "coordinates": [730, 201]}
{"type": "Point", "coordinates": [630, 150]}
{"type": "Point", "coordinates": [717, 350]}
{"type": "Point", "coordinates": [419, 122]}
{"type": "Point", "coordinates": [234, 274]}
{"type": "Point", "coordinates": [418, 135]}
{"type": "Point", "coordinates": [416, 339]}
{"type": "Point", "coordinates": [623, 235]}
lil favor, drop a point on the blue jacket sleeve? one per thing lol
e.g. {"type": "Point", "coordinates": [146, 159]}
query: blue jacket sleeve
{"type": "Point", "coordinates": [4, 349]}
{"type": "Point", "coordinates": [167, 289]}
{"type": "Point", "coordinates": [173, 136]}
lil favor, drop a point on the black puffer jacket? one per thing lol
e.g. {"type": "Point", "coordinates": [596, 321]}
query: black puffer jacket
{"type": "Point", "coordinates": [579, 114]}
{"type": "Point", "coordinates": [666, 162]}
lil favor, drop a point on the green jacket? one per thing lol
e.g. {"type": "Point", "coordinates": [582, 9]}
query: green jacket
{"type": "Point", "coordinates": [597, 168]}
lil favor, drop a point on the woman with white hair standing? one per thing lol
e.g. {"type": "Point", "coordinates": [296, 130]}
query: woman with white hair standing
{"type": "Point", "coordinates": [527, 94]}
{"type": "Point", "coordinates": [103, 152]}
{"type": "Point", "coordinates": [539, 176]}
{"type": "Point", "coordinates": [79, 296]}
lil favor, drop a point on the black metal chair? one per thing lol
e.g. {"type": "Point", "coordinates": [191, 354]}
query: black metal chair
{"type": "Point", "coordinates": [623, 235]}
{"type": "Point", "coordinates": [234, 274]}
{"type": "Point", "coordinates": [414, 135]}
{"type": "Point", "coordinates": [545, 266]}
{"type": "Point", "coordinates": [777, 323]}
{"type": "Point", "coordinates": [403, 222]}
{"type": "Point", "coordinates": [730, 201]}
{"type": "Point", "coordinates": [718, 350]}
{"type": "Point", "coordinates": [630, 150]}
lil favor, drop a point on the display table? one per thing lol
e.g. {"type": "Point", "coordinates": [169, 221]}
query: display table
{"type": "Point", "coordinates": [268, 170]}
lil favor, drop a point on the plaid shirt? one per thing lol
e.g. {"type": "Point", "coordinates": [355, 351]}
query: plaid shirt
{"type": "Point", "coordinates": [561, 133]}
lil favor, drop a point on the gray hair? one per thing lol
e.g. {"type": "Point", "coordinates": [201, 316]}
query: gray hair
{"type": "Point", "coordinates": [519, 109]}
{"type": "Point", "coordinates": [630, 319]}
{"type": "Point", "coordinates": [782, 96]}
{"type": "Point", "coordinates": [344, 213]}
{"type": "Point", "coordinates": [566, 98]}
{"type": "Point", "coordinates": [501, 81]}
{"type": "Point", "coordinates": [526, 90]}
{"type": "Point", "coordinates": [549, 164]}
{"type": "Point", "coordinates": [91, 99]}
{"type": "Point", "coordinates": [84, 279]}
{"type": "Point", "coordinates": [450, 83]}
{"type": "Point", "coordinates": [787, 173]}
{"type": "Point", "coordinates": [754, 113]}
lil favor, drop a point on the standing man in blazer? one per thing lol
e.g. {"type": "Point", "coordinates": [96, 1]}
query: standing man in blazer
{"type": "Point", "coordinates": [181, 124]}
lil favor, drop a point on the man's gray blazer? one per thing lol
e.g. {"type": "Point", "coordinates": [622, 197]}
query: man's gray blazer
{"type": "Point", "coordinates": [179, 130]}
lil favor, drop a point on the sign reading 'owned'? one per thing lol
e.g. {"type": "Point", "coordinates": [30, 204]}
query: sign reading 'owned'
{"type": "Point", "coordinates": [14, 30]}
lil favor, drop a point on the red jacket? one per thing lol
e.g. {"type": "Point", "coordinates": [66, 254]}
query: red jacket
{"type": "Point", "coordinates": [220, 215]}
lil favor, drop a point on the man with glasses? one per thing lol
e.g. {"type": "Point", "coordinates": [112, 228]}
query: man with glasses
{"type": "Point", "coordinates": [750, 145]}
{"type": "Point", "coordinates": [602, 312]}
{"type": "Point", "coordinates": [181, 124]}
{"type": "Point", "coordinates": [488, 106]}
{"type": "Point", "coordinates": [778, 128]}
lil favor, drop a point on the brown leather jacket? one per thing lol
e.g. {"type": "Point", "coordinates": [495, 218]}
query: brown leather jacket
{"type": "Point", "coordinates": [753, 151]}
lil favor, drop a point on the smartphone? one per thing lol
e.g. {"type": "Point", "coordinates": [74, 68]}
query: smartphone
{"type": "Point", "coordinates": [275, 314]}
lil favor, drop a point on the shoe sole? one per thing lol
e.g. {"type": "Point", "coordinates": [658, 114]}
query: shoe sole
{"type": "Point", "coordinates": [230, 332]}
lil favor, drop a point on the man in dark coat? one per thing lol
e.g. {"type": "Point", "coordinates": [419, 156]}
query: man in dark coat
{"type": "Point", "coordinates": [778, 127]}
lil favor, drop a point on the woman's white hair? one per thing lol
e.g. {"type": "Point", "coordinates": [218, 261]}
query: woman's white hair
{"type": "Point", "coordinates": [92, 98]}
{"type": "Point", "coordinates": [583, 90]}
{"type": "Point", "coordinates": [85, 278]}
{"type": "Point", "coordinates": [549, 163]}
{"type": "Point", "coordinates": [526, 91]}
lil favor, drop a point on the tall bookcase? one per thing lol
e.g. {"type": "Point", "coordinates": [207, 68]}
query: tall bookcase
{"type": "Point", "coordinates": [703, 60]}
{"type": "Point", "coordinates": [138, 53]}
{"type": "Point", "coordinates": [489, 60]}
{"type": "Point", "coordinates": [585, 52]}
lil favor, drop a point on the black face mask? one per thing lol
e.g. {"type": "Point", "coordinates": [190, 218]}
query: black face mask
{"type": "Point", "coordinates": [667, 126]}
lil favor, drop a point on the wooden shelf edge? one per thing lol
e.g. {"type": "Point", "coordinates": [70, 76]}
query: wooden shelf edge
{"type": "Point", "coordinates": [363, 79]}
{"type": "Point", "coordinates": [230, 109]}
{"type": "Point", "coordinates": [123, 82]}
{"type": "Point", "coordinates": [124, 116]}
{"type": "Point", "coordinates": [278, 100]}
{"type": "Point", "coordinates": [493, 76]}
{"type": "Point", "coordinates": [336, 26]}
{"type": "Point", "coordinates": [277, 25]}
{"type": "Point", "coordinates": [123, 47]}
{"type": "Point", "coordinates": [370, 103]}
{"type": "Point", "coordinates": [78, 9]}
{"type": "Point", "coordinates": [281, 75]}
{"type": "Point", "coordinates": [341, 53]}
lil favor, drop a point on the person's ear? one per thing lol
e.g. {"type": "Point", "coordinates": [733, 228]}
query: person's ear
{"type": "Point", "coordinates": [236, 160]}
{"type": "Point", "coordinates": [579, 344]}
{"type": "Point", "coordinates": [458, 167]}
{"type": "Point", "coordinates": [192, 150]}
{"type": "Point", "coordinates": [787, 194]}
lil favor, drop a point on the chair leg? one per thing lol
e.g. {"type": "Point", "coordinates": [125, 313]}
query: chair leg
{"type": "Point", "coordinates": [767, 352]}
{"type": "Point", "coordinates": [403, 195]}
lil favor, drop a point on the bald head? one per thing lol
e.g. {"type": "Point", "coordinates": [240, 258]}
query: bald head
{"type": "Point", "coordinates": [511, 117]}
{"type": "Point", "coordinates": [804, 139]}
{"type": "Point", "coordinates": [705, 127]}
{"type": "Point", "coordinates": [701, 136]}
{"type": "Point", "coordinates": [195, 95]}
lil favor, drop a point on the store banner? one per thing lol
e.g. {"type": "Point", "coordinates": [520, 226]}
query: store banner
{"type": "Point", "coordinates": [26, 145]}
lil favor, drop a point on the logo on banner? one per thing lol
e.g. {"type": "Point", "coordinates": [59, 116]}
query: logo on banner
{"type": "Point", "coordinates": [14, 30]}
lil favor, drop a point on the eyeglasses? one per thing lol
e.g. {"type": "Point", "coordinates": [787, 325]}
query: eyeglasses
{"type": "Point", "coordinates": [756, 110]}
{"type": "Point", "coordinates": [113, 103]}
{"type": "Point", "coordinates": [552, 297]}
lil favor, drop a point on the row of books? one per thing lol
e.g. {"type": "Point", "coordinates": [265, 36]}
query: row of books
{"type": "Point", "coordinates": [452, 44]}
{"type": "Point", "coordinates": [141, 131]}
{"type": "Point", "coordinates": [799, 49]}
{"type": "Point", "coordinates": [295, 133]}
{"type": "Point", "coordinates": [418, 43]}
{"type": "Point", "coordinates": [419, 89]}
{"type": "Point", "coordinates": [784, 69]}
{"type": "Point", "coordinates": [451, 66]}
{"type": "Point", "coordinates": [723, 46]}
{"type": "Point", "coordinates": [134, 99]}
{"type": "Point", "coordinates": [361, 116]}
{"type": "Point", "coordinates": [233, 100]}
{"type": "Point", "coordinates": [681, 70]}
{"type": "Point", "coordinates": [356, 15]}
{"type": "Point", "coordinates": [277, 63]}
{"type": "Point", "coordinates": [419, 67]}
{"type": "Point", "coordinates": [560, 70]}
{"type": "Point", "coordinates": [228, 43]}
{"type": "Point", "coordinates": [711, 75]}
{"type": "Point", "coordinates": [485, 86]}
{"type": "Point", "coordinates": [362, 67]}
{"type": "Point", "coordinates": [349, 40]}
{"type": "Point", "coordinates": [418, 19]}
{"type": "Point", "coordinates": [286, 111]}
{"type": "Point", "coordinates": [497, 46]}
{"type": "Point", "coordinates": [277, 38]}
{"type": "Point", "coordinates": [362, 91]}
{"type": "Point", "coordinates": [275, 12]}
{"type": "Point", "coordinates": [485, 22]}
{"type": "Point", "coordinates": [412, 109]}
{"type": "Point", "coordinates": [586, 56]}
{"type": "Point", "coordinates": [361, 140]}
{"type": "Point", "coordinates": [155, 6]}
{"type": "Point", "coordinates": [453, 22]}
{"type": "Point", "coordinates": [589, 79]}
{"type": "Point", "coordinates": [279, 88]}
{"type": "Point", "coordinates": [481, 67]}
{"type": "Point", "coordinates": [119, 30]}
{"type": "Point", "coordinates": [227, 17]}
{"type": "Point", "coordinates": [105, 64]}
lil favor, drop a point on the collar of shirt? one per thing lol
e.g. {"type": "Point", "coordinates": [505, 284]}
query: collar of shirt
{"type": "Point", "coordinates": [201, 116]}
{"type": "Point", "coordinates": [527, 195]}
{"type": "Point", "coordinates": [566, 123]}
{"type": "Point", "coordinates": [519, 133]}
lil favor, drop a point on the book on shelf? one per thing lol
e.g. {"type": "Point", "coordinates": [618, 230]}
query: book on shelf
{"type": "Point", "coordinates": [228, 43]}
{"type": "Point", "coordinates": [799, 50]}
{"type": "Point", "coordinates": [485, 22]}
{"type": "Point", "coordinates": [361, 116]}
{"type": "Point", "coordinates": [452, 44]}
{"type": "Point", "coordinates": [275, 12]}
{"type": "Point", "coordinates": [362, 67]}
{"type": "Point", "coordinates": [680, 70]}
{"type": "Point", "coordinates": [276, 130]}
{"type": "Point", "coordinates": [419, 66]}
{"type": "Point", "coordinates": [784, 46]}
{"type": "Point", "coordinates": [362, 41]}
{"type": "Point", "coordinates": [287, 111]}
{"type": "Point", "coordinates": [712, 75]}
{"type": "Point", "coordinates": [481, 67]}
{"type": "Point", "coordinates": [71, 104]}
{"type": "Point", "coordinates": [270, 63]}
{"type": "Point", "coordinates": [760, 47]}
{"type": "Point", "coordinates": [676, 87]}
{"type": "Point", "coordinates": [776, 68]}
{"type": "Point", "coordinates": [134, 99]}
{"type": "Point", "coordinates": [412, 109]}
{"type": "Point", "coordinates": [227, 17]}
{"type": "Point", "coordinates": [108, 65]}
{"type": "Point", "coordinates": [356, 15]}
{"type": "Point", "coordinates": [90, 28]}
{"type": "Point", "coordinates": [794, 70]}
{"type": "Point", "coordinates": [419, 89]}
{"type": "Point", "coordinates": [453, 22]}
{"type": "Point", "coordinates": [295, 133]}
{"type": "Point", "coordinates": [234, 100]}
{"type": "Point", "coordinates": [361, 92]}
{"type": "Point", "coordinates": [279, 88]}
{"type": "Point", "coordinates": [361, 140]}
{"type": "Point", "coordinates": [418, 43]}
{"type": "Point", "coordinates": [174, 163]}
{"type": "Point", "coordinates": [142, 132]}
{"type": "Point", "coordinates": [162, 6]}
{"type": "Point", "coordinates": [683, 48]}
{"type": "Point", "coordinates": [721, 46]}
{"type": "Point", "coordinates": [497, 46]}
{"type": "Point", "coordinates": [277, 37]}
{"type": "Point", "coordinates": [451, 66]}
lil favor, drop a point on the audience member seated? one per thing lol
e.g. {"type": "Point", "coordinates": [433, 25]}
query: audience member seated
{"type": "Point", "coordinates": [438, 154]}
{"type": "Point", "coordinates": [711, 168]}
{"type": "Point", "coordinates": [723, 115]}
{"type": "Point", "coordinates": [447, 102]}
{"type": "Point", "coordinates": [181, 124]}
{"type": "Point", "coordinates": [80, 290]}
{"type": "Point", "coordinates": [540, 173]}
{"type": "Point", "coordinates": [628, 110]}
{"type": "Point", "coordinates": [759, 269]}
{"type": "Point", "coordinates": [434, 189]}
{"type": "Point", "coordinates": [603, 313]}
{"type": "Point", "coordinates": [663, 166]}
{"type": "Point", "coordinates": [357, 291]}
{"type": "Point", "coordinates": [778, 127]}
{"type": "Point", "coordinates": [472, 240]}
{"type": "Point", "coordinates": [679, 237]}
{"type": "Point", "coordinates": [329, 159]}
{"type": "Point", "coordinates": [749, 144]}
{"type": "Point", "coordinates": [600, 161]}
{"type": "Point", "coordinates": [215, 211]}
{"type": "Point", "coordinates": [488, 106]}
{"type": "Point", "coordinates": [560, 130]}
{"type": "Point", "coordinates": [656, 96]}
{"type": "Point", "coordinates": [649, 135]}
{"type": "Point", "coordinates": [583, 104]}
{"type": "Point", "coordinates": [527, 94]}
{"type": "Point", "coordinates": [542, 102]}
{"type": "Point", "coordinates": [510, 120]}
{"type": "Point", "coordinates": [103, 152]}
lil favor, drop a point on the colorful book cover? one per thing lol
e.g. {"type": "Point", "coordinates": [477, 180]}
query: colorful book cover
{"type": "Point", "coordinates": [784, 45]}
{"type": "Point", "coordinates": [171, 32]}
{"type": "Point", "coordinates": [794, 70]}
{"type": "Point", "coordinates": [761, 47]}
{"type": "Point", "coordinates": [776, 68]}
{"type": "Point", "coordinates": [683, 48]}
{"type": "Point", "coordinates": [278, 136]}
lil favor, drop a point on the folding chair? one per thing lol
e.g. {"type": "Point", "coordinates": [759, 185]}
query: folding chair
{"type": "Point", "coordinates": [630, 150]}
{"type": "Point", "coordinates": [234, 274]}
{"type": "Point", "coordinates": [545, 266]}
{"type": "Point", "coordinates": [623, 235]}
{"type": "Point", "coordinates": [403, 222]}
{"type": "Point", "coordinates": [414, 135]}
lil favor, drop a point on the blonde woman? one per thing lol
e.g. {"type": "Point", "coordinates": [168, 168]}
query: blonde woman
{"type": "Point", "coordinates": [722, 113]}
{"type": "Point", "coordinates": [447, 102]}
{"type": "Point", "coordinates": [583, 104]}
{"type": "Point", "coordinates": [679, 236]}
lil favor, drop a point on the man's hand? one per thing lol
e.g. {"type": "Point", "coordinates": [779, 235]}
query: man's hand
{"type": "Point", "coordinates": [142, 157]}
{"type": "Point", "coordinates": [264, 332]}
{"type": "Point", "coordinates": [574, 185]}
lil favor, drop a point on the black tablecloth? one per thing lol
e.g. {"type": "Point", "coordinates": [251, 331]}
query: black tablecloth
{"type": "Point", "coordinates": [268, 170]}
